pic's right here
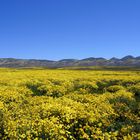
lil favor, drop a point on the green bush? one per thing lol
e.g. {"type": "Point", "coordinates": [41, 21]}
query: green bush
{"type": "Point", "coordinates": [86, 86]}
{"type": "Point", "coordinates": [114, 88]}
{"type": "Point", "coordinates": [135, 89]}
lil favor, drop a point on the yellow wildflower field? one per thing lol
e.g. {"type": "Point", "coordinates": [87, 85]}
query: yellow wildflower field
{"type": "Point", "coordinates": [45, 104]}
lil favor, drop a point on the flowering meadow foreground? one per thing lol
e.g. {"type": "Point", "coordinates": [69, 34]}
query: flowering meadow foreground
{"type": "Point", "coordinates": [46, 104]}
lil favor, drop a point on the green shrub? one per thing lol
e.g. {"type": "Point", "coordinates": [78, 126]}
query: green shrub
{"type": "Point", "coordinates": [135, 89]}
{"type": "Point", "coordinates": [114, 88]}
{"type": "Point", "coordinates": [86, 86]}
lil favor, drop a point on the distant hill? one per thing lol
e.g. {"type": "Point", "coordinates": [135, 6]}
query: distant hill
{"type": "Point", "coordinates": [125, 61]}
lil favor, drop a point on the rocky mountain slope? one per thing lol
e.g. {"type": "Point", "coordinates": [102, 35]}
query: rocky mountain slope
{"type": "Point", "coordinates": [125, 61]}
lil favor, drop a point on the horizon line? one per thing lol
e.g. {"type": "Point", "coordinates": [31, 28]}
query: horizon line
{"type": "Point", "coordinates": [68, 58]}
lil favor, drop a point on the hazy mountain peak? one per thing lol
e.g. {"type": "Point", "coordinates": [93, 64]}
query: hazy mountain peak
{"type": "Point", "coordinates": [88, 59]}
{"type": "Point", "coordinates": [114, 59]}
{"type": "Point", "coordinates": [68, 60]}
{"type": "Point", "coordinates": [128, 57]}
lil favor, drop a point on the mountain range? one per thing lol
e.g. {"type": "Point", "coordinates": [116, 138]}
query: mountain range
{"type": "Point", "coordinates": [125, 61]}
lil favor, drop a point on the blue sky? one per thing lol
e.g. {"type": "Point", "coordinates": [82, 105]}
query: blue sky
{"type": "Point", "coordinates": [57, 29]}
